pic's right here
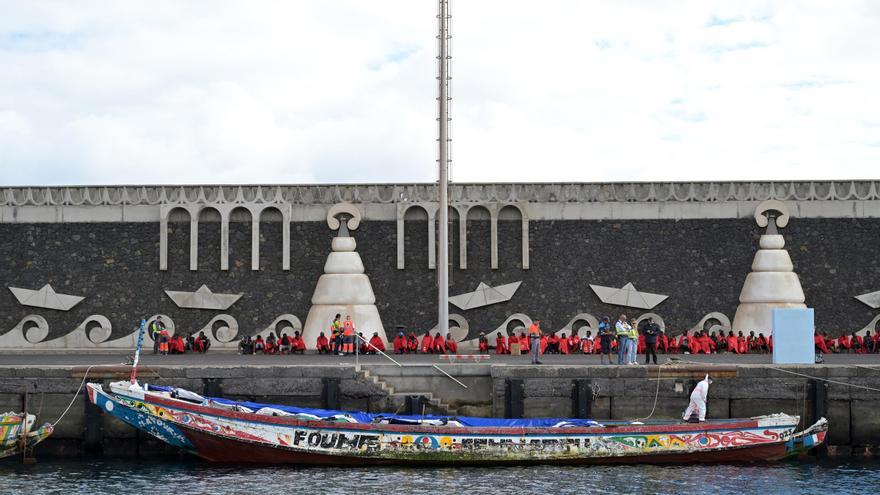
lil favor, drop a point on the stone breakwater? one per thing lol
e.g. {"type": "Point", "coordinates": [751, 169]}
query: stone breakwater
{"type": "Point", "coordinates": [492, 390]}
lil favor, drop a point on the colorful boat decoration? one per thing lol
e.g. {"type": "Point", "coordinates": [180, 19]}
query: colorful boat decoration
{"type": "Point", "coordinates": [11, 433]}
{"type": "Point", "coordinates": [222, 430]}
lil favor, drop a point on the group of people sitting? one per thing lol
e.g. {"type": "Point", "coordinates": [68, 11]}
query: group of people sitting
{"type": "Point", "coordinates": [192, 343]}
{"type": "Point", "coordinates": [867, 344]}
{"type": "Point", "coordinates": [699, 343]}
{"type": "Point", "coordinates": [272, 345]}
{"type": "Point", "coordinates": [336, 345]}
{"type": "Point", "coordinates": [410, 344]}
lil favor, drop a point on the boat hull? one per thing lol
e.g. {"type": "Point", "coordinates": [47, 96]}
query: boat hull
{"type": "Point", "coordinates": [222, 435]}
{"type": "Point", "coordinates": [10, 433]}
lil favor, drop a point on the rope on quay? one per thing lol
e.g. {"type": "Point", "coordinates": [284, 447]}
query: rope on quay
{"type": "Point", "coordinates": [78, 390]}
{"type": "Point", "coordinates": [837, 382]}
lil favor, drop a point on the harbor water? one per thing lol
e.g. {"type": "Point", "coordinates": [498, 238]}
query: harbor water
{"type": "Point", "coordinates": [181, 476]}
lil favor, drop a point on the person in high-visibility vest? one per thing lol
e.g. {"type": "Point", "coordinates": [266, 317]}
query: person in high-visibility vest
{"type": "Point", "coordinates": [156, 328]}
{"type": "Point", "coordinates": [348, 336]}
{"type": "Point", "coordinates": [535, 338]}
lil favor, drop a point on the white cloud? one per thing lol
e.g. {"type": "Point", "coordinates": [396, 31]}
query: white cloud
{"type": "Point", "coordinates": [343, 91]}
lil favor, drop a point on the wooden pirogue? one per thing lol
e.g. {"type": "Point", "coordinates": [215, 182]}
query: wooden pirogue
{"type": "Point", "coordinates": [228, 431]}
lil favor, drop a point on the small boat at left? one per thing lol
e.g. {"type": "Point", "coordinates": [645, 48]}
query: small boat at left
{"type": "Point", "coordinates": [17, 432]}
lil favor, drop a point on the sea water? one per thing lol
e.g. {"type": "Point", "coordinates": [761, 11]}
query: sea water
{"type": "Point", "coordinates": [179, 475]}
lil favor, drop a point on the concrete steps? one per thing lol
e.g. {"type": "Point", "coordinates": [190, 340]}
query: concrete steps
{"type": "Point", "coordinates": [432, 400]}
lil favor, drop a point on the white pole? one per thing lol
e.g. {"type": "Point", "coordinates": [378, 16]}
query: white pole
{"type": "Point", "coordinates": [443, 162]}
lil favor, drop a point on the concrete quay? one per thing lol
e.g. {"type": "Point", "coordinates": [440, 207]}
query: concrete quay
{"type": "Point", "coordinates": [850, 398]}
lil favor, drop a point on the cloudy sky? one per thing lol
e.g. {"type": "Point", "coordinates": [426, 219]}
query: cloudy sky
{"type": "Point", "coordinates": [102, 92]}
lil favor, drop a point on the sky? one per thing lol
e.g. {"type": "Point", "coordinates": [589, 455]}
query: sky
{"type": "Point", "coordinates": [343, 91]}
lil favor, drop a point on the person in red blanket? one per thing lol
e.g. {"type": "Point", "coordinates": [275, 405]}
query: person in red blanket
{"type": "Point", "coordinates": [483, 344]}
{"type": "Point", "coordinates": [563, 344]}
{"type": "Point", "coordinates": [513, 344]}
{"type": "Point", "coordinates": [322, 344]}
{"type": "Point", "coordinates": [819, 341]}
{"type": "Point", "coordinates": [439, 344]}
{"type": "Point", "coordinates": [574, 343]}
{"type": "Point", "coordinates": [271, 344]}
{"type": "Point", "coordinates": [297, 344]}
{"type": "Point", "coordinates": [202, 342]}
{"type": "Point", "coordinates": [500, 344]}
{"type": "Point", "coordinates": [524, 344]}
{"type": "Point", "coordinates": [259, 345]}
{"type": "Point", "coordinates": [694, 344]}
{"type": "Point", "coordinates": [284, 344]}
{"type": "Point", "coordinates": [844, 344]}
{"type": "Point", "coordinates": [552, 344]}
{"type": "Point", "coordinates": [741, 345]}
{"type": "Point", "coordinates": [399, 342]}
{"type": "Point", "coordinates": [451, 346]}
{"type": "Point", "coordinates": [858, 343]}
{"type": "Point", "coordinates": [376, 344]}
{"type": "Point", "coordinates": [586, 344]}
{"type": "Point", "coordinates": [427, 344]}
{"type": "Point", "coordinates": [176, 345]}
{"type": "Point", "coordinates": [763, 345]}
{"type": "Point", "coordinates": [732, 344]}
{"type": "Point", "coordinates": [412, 343]}
{"type": "Point", "coordinates": [543, 343]}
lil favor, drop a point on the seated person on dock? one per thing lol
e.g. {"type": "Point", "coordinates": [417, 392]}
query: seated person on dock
{"type": "Point", "coordinates": [483, 344]}
{"type": "Point", "coordinates": [203, 343]}
{"type": "Point", "coordinates": [439, 344]}
{"type": "Point", "coordinates": [322, 344]}
{"type": "Point", "coordinates": [763, 346]}
{"type": "Point", "coordinates": [362, 343]}
{"type": "Point", "coordinates": [563, 344]}
{"type": "Point", "coordinates": [259, 345]}
{"type": "Point", "coordinates": [858, 344]}
{"type": "Point", "coordinates": [819, 342]}
{"type": "Point", "coordinates": [732, 345]}
{"type": "Point", "coordinates": [176, 345]}
{"type": "Point", "coordinates": [297, 344]}
{"type": "Point", "coordinates": [376, 344]}
{"type": "Point", "coordinates": [399, 342]}
{"type": "Point", "coordinates": [741, 345]}
{"type": "Point", "coordinates": [451, 346]}
{"type": "Point", "coordinates": [500, 344]}
{"type": "Point", "coordinates": [427, 344]}
{"type": "Point", "coordinates": [246, 345]}
{"type": "Point", "coordinates": [412, 343]}
{"type": "Point", "coordinates": [844, 344]}
{"type": "Point", "coordinates": [513, 344]}
{"type": "Point", "coordinates": [574, 342]}
{"type": "Point", "coordinates": [524, 345]}
{"type": "Point", "coordinates": [284, 344]}
{"type": "Point", "coordinates": [586, 343]}
{"type": "Point", "coordinates": [271, 344]}
{"type": "Point", "coordinates": [552, 344]}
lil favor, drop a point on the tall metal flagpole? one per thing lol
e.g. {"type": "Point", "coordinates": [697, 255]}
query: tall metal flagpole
{"type": "Point", "coordinates": [443, 162]}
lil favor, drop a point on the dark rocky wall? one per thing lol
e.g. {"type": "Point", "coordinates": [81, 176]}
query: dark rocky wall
{"type": "Point", "coordinates": [700, 264]}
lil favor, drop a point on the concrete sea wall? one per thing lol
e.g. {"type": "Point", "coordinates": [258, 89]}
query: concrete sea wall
{"type": "Point", "coordinates": [492, 390]}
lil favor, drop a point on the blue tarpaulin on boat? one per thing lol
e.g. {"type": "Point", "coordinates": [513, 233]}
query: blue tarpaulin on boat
{"type": "Point", "coordinates": [362, 417]}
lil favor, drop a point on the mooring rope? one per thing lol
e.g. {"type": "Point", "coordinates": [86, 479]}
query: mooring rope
{"type": "Point", "coordinates": [78, 390]}
{"type": "Point", "coordinates": [656, 396]}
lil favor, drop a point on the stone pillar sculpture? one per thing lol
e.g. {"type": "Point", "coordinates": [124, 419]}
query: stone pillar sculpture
{"type": "Point", "coordinates": [772, 282]}
{"type": "Point", "coordinates": [344, 288]}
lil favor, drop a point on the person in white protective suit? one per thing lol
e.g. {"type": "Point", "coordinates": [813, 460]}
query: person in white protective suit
{"type": "Point", "coordinates": [698, 400]}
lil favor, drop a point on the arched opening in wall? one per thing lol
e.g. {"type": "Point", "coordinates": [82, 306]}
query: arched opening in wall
{"type": "Point", "coordinates": [454, 241]}
{"type": "Point", "coordinates": [510, 220]}
{"type": "Point", "coordinates": [271, 239]}
{"type": "Point", "coordinates": [240, 230]}
{"type": "Point", "coordinates": [178, 239]}
{"type": "Point", "coordinates": [479, 235]}
{"type": "Point", "coordinates": [209, 239]}
{"type": "Point", "coordinates": [415, 237]}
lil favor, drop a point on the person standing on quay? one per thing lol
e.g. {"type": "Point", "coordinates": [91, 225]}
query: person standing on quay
{"type": "Point", "coordinates": [535, 340]}
{"type": "Point", "coordinates": [623, 329]}
{"type": "Point", "coordinates": [651, 330]}
{"type": "Point", "coordinates": [606, 336]}
{"type": "Point", "coordinates": [156, 328]}
{"type": "Point", "coordinates": [348, 336]}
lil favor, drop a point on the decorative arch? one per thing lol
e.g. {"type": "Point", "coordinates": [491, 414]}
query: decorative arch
{"type": "Point", "coordinates": [165, 215]}
{"type": "Point", "coordinates": [492, 211]}
{"type": "Point", "coordinates": [241, 211]}
{"type": "Point", "coordinates": [572, 326]}
{"type": "Point", "coordinates": [430, 212]}
{"type": "Point", "coordinates": [204, 212]}
{"type": "Point", "coordinates": [524, 235]}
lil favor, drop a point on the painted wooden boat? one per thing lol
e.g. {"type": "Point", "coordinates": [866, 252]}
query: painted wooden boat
{"type": "Point", "coordinates": [226, 431]}
{"type": "Point", "coordinates": [11, 425]}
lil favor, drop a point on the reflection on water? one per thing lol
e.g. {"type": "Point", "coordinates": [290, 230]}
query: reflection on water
{"type": "Point", "coordinates": [188, 476]}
